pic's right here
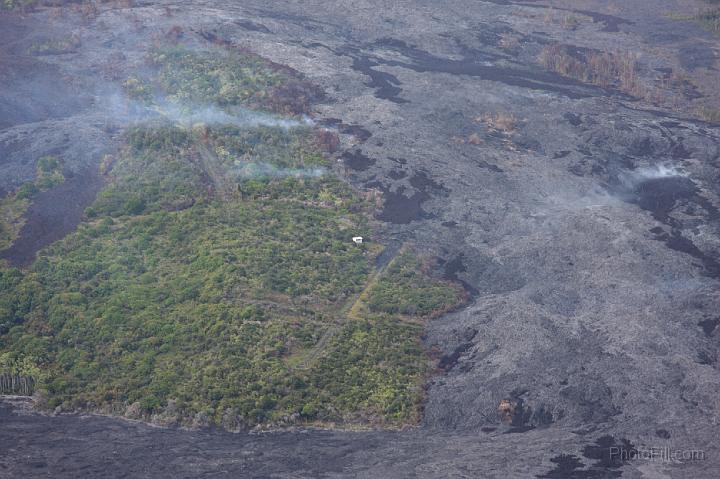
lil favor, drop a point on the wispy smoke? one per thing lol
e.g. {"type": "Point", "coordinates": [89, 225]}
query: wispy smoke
{"type": "Point", "coordinates": [596, 197]}
{"type": "Point", "coordinates": [119, 108]}
{"type": "Point", "coordinates": [266, 170]}
{"type": "Point", "coordinates": [621, 188]}
{"type": "Point", "coordinates": [212, 115]}
{"type": "Point", "coordinates": [630, 179]}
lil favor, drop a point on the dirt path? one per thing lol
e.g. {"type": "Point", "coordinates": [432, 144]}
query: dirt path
{"type": "Point", "coordinates": [352, 310]}
{"type": "Point", "coordinates": [210, 163]}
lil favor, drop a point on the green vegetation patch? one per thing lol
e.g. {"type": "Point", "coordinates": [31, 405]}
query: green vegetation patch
{"type": "Point", "coordinates": [176, 301]}
{"type": "Point", "coordinates": [373, 372]}
{"type": "Point", "coordinates": [227, 77]}
{"type": "Point", "coordinates": [223, 77]}
{"type": "Point", "coordinates": [214, 280]}
{"type": "Point", "coordinates": [406, 289]}
{"type": "Point", "coordinates": [12, 210]}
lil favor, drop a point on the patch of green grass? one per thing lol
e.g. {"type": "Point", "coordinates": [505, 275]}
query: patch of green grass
{"type": "Point", "coordinates": [281, 148]}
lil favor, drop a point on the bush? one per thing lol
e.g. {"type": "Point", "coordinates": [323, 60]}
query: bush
{"type": "Point", "coordinates": [48, 164]}
{"type": "Point", "coordinates": [134, 206]}
{"type": "Point", "coordinates": [27, 191]}
{"type": "Point", "coordinates": [711, 19]}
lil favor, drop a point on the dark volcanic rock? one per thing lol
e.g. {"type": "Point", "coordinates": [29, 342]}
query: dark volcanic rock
{"type": "Point", "coordinates": [356, 160]}
{"type": "Point", "coordinates": [52, 215]}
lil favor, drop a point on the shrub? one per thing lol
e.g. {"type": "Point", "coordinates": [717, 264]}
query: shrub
{"type": "Point", "coordinates": [502, 121]}
{"type": "Point", "coordinates": [709, 114]}
{"type": "Point", "coordinates": [26, 191]}
{"type": "Point", "coordinates": [48, 164]}
{"type": "Point", "coordinates": [710, 19]}
{"type": "Point", "coordinates": [605, 69]}
{"type": "Point", "coordinates": [134, 206]}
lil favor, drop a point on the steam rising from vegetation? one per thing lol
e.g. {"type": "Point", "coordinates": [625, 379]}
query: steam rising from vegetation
{"type": "Point", "coordinates": [266, 170]}
{"type": "Point", "coordinates": [212, 115]}
{"type": "Point", "coordinates": [125, 110]}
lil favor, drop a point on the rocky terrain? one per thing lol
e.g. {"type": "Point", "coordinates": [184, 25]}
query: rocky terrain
{"type": "Point", "coordinates": [583, 216]}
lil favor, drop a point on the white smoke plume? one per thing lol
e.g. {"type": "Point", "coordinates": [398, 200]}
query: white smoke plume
{"type": "Point", "coordinates": [630, 179]}
{"type": "Point", "coordinates": [212, 115]}
{"type": "Point", "coordinates": [266, 170]}
{"type": "Point", "coordinates": [119, 108]}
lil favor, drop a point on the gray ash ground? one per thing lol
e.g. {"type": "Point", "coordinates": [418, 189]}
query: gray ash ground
{"type": "Point", "coordinates": [589, 236]}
